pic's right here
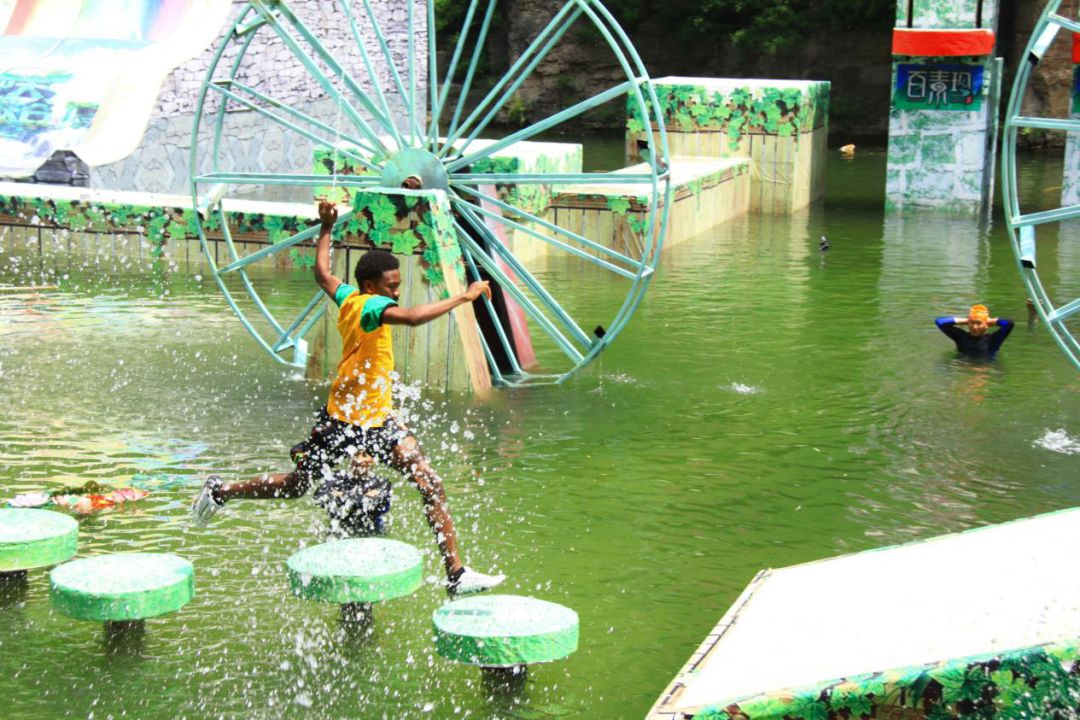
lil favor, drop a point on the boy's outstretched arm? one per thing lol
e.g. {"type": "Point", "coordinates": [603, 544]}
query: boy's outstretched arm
{"type": "Point", "coordinates": [426, 313]}
{"type": "Point", "coordinates": [325, 279]}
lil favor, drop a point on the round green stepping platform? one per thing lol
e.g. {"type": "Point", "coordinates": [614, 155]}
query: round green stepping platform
{"type": "Point", "coordinates": [357, 570]}
{"type": "Point", "coordinates": [505, 630]}
{"type": "Point", "coordinates": [124, 586]}
{"type": "Point", "coordinates": [35, 538]}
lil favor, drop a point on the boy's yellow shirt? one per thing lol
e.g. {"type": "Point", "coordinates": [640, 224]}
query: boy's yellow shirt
{"type": "Point", "coordinates": [362, 392]}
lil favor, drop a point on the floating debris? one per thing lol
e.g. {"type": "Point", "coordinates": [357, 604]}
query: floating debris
{"type": "Point", "coordinates": [85, 499]}
{"type": "Point", "coordinates": [30, 500]}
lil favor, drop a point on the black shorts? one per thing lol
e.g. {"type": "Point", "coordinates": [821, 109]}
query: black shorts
{"type": "Point", "coordinates": [332, 441]}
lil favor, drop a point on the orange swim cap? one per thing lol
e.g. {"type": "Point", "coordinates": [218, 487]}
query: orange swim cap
{"type": "Point", "coordinates": [979, 312]}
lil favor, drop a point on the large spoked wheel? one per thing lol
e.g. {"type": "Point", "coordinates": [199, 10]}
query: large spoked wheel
{"type": "Point", "coordinates": [347, 99]}
{"type": "Point", "coordinates": [1028, 222]}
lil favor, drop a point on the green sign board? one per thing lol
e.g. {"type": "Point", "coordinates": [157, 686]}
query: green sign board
{"type": "Point", "coordinates": [939, 86]}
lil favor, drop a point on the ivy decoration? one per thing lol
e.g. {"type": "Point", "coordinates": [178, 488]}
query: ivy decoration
{"type": "Point", "coordinates": [383, 213]}
{"type": "Point", "coordinates": [618, 204]}
{"type": "Point", "coordinates": [404, 243]}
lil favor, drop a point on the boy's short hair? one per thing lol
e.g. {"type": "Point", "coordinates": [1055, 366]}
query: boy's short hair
{"type": "Point", "coordinates": [372, 265]}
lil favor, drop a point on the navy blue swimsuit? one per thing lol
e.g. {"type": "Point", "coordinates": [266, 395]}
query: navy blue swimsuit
{"type": "Point", "coordinates": [980, 346]}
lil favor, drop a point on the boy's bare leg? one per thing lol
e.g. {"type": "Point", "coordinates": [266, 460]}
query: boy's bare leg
{"type": "Point", "coordinates": [409, 460]}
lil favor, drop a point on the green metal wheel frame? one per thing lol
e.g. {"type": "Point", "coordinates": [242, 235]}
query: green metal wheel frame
{"type": "Point", "coordinates": [371, 134]}
{"type": "Point", "coordinates": [1024, 227]}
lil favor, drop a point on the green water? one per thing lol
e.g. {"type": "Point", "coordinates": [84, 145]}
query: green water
{"type": "Point", "coordinates": [767, 405]}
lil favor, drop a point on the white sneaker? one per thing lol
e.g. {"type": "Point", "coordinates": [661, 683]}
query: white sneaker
{"type": "Point", "coordinates": [207, 503]}
{"type": "Point", "coordinates": [470, 582]}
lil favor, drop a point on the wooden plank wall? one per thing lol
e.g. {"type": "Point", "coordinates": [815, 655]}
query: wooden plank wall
{"type": "Point", "coordinates": [788, 172]}
{"type": "Point", "coordinates": [690, 216]}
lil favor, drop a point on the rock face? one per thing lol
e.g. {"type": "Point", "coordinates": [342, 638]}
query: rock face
{"type": "Point", "coordinates": [582, 65]}
{"type": "Point", "coordinates": [1049, 88]}
{"type": "Point", "coordinates": [857, 64]}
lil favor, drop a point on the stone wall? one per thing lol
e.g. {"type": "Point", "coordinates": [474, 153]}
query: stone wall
{"type": "Point", "coordinates": [161, 162]}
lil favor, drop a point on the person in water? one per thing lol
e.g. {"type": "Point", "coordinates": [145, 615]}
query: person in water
{"type": "Point", "coordinates": [359, 416]}
{"type": "Point", "coordinates": [976, 340]}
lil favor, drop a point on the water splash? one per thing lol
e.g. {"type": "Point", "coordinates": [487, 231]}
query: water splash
{"type": "Point", "coordinates": [742, 389]}
{"type": "Point", "coordinates": [1058, 441]}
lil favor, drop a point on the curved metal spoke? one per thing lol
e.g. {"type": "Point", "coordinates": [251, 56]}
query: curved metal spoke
{"type": "Point", "coordinates": [485, 199]}
{"type": "Point", "coordinates": [239, 263]}
{"type": "Point", "coordinates": [503, 340]}
{"type": "Point", "coordinates": [601, 178]}
{"type": "Point", "coordinates": [414, 128]}
{"type": "Point", "coordinates": [318, 140]}
{"type": "Point", "coordinates": [496, 245]}
{"type": "Point", "coordinates": [346, 5]}
{"type": "Point", "coordinates": [1047, 216]}
{"type": "Point", "coordinates": [438, 99]}
{"type": "Point", "coordinates": [466, 86]}
{"type": "Point", "coordinates": [316, 72]}
{"type": "Point", "coordinates": [539, 47]}
{"type": "Point", "coordinates": [248, 287]}
{"type": "Point", "coordinates": [508, 285]}
{"type": "Point", "coordinates": [1022, 227]}
{"type": "Point", "coordinates": [288, 179]}
{"type": "Point", "coordinates": [293, 112]}
{"type": "Point", "coordinates": [433, 77]}
{"type": "Point", "coordinates": [539, 127]}
{"type": "Point", "coordinates": [414, 108]}
{"type": "Point", "coordinates": [286, 340]}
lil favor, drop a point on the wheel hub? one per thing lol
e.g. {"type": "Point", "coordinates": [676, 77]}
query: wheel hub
{"type": "Point", "coordinates": [414, 162]}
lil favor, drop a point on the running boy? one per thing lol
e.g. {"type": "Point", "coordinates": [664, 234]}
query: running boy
{"type": "Point", "coordinates": [359, 417]}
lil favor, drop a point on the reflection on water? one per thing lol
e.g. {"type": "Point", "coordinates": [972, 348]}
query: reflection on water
{"type": "Point", "coordinates": [768, 404]}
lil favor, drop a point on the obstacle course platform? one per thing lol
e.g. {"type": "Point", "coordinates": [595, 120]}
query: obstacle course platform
{"type": "Point", "coordinates": [527, 157]}
{"type": "Point", "coordinates": [358, 570]}
{"type": "Point", "coordinates": [31, 539]}
{"type": "Point", "coordinates": [705, 192]}
{"type": "Point", "coordinates": [951, 625]}
{"type": "Point", "coordinates": [504, 631]}
{"type": "Point", "coordinates": [781, 126]}
{"type": "Point", "coordinates": [122, 587]}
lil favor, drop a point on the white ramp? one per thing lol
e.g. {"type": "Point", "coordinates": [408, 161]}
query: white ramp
{"type": "Point", "coordinates": [880, 628]}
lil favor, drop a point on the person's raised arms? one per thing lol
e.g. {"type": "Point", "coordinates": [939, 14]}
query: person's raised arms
{"type": "Point", "coordinates": [421, 314]}
{"type": "Point", "coordinates": [325, 279]}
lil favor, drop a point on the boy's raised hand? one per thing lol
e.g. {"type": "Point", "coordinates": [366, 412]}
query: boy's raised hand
{"type": "Point", "coordinates": [477, 288]}
{"type": "Point", "coordinates": [327, 214]}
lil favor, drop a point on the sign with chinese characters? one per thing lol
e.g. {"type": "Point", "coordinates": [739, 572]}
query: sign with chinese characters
{"type": "Point", "coordinates": [950, 86]}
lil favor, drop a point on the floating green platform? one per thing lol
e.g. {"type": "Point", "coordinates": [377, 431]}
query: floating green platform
{"type": "Point", "coordinates": [359, 570]}
{"type": "Point", "coordinates": [32, 539]}
{"type": "Point", "coordinates": [505, 631]}
{"type": "Point", "coordinates": [122, 587]}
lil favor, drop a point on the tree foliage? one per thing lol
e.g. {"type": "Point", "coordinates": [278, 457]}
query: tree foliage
{"type": "Point", "coordinates": [752, 25]}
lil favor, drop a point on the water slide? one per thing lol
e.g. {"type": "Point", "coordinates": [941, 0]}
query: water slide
{"type": "Point", "coordinates": [84, 75]}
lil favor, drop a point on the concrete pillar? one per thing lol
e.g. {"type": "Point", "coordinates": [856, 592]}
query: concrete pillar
{"type": "Point", "coordinates": [945, 94]}
{"type": "Point", "coordinates": [1070, 181]}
